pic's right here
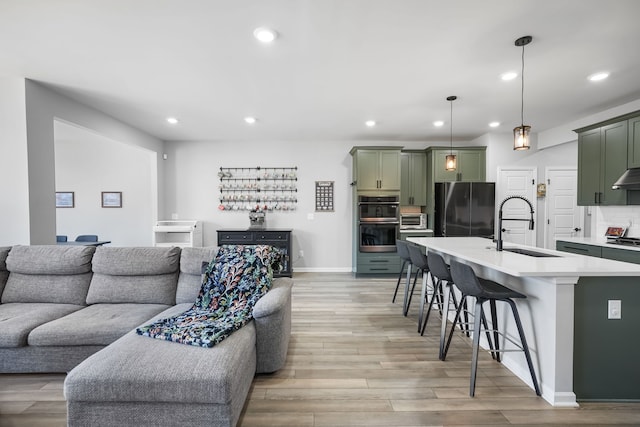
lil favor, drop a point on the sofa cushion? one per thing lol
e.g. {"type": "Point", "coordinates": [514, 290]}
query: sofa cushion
{"type": "Point", "coordinates": [139, 369]}
{"type": "Point", "coordinates": [17, 320]}
{"type": "Point", "coordinates": [98, 324]}
{"type": "Point", "coordinates": [4, 274]}
{"type": "Point", "coordinates": [134, 275]}
{"type": "Point", "coordinates": [190, 279]}
{"type": "Point", "coordinates": [48, 274]}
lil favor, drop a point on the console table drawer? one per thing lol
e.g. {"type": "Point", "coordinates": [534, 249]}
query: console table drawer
{"type": "Point", "coordinates": [234, 237]}
{"type": "Point", "coordinates": [271, 236]}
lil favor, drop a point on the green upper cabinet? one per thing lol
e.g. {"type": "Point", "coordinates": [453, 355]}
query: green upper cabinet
{"type": "Point", "coordinates": [602, 158]}
{"type": "Point", "coordinates": [633, 144]}
{"type": "Point", "coordinates": [471, 165]}
{"type": "Point", "coordinates": [376, 168]}
{"type": "Point", "coordinates": [413, 188]}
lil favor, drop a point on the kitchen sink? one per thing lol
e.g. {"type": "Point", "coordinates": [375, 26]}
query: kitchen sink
{"type": "Point", "coordinates": [529, 252]}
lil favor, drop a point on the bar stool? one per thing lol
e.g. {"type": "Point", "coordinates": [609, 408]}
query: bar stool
{"type": "Point", "coordinates": [419, 260]}
{"type": "Point", "coordinates": [441, 273]}
{"type": "Point", "coordinates": [403, 253]}
{"type": "Point", "coordinates": [486, 290]}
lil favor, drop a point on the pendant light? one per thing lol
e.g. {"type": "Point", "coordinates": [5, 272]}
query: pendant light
{"type": "Point", "coordinates": [521, 133]}
{"type": "Point", "coordinates": [450, 162]}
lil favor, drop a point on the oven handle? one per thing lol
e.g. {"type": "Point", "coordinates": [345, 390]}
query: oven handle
{"type": "Point", "coordinates": [395, 204]}
{"type": "Point", "coordinates": [389, 221]}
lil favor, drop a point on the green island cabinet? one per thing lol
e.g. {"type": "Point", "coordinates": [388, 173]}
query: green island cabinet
{"type": "Point", "coordinates": [376, 168]}
{"type": "Point", "coordinates": [413, 182]}
{"type": "Point", "coordinates": [471, 167]}
{"type": "Point", "coordinates": [604, 357]}
{"type": "Point", "coordinates": [605, 151]}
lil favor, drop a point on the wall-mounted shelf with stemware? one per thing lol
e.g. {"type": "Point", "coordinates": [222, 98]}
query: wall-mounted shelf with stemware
{"type": "Point", "coordinates": [259, 188]}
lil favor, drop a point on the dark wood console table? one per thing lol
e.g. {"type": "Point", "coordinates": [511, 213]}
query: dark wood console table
{"type": "Point", "coordinates": [280, 239]}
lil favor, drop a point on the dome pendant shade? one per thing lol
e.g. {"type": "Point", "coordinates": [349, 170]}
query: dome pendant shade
{"type": "Point", "coordinates": [450, 162]}
{"type": "Point", "coordinates": [521, 137]}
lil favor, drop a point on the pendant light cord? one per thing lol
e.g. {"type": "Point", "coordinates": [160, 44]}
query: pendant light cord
{"type": "Point", "coordinates": [522, 92]}
{"type": "Point", "coordinates": [451, 130]}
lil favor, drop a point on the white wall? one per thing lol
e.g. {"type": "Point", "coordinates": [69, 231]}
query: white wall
{"type": "Point", "coordinates": [500, 153]}
{"type": "Point", "coordinates": [88, 164]}
{"type": "Point", "coordinates": [42, 106]}
{"type": "Point", "coordinates": [192, 193]}
{"type": "Point", "coordinates": [14, 177]}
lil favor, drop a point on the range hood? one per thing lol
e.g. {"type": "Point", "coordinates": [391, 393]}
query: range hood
{"type": "Point", "coordinates": [630, 180]}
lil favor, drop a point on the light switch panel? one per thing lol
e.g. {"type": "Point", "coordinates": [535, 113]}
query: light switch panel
{"type": "Point", "coordinates": [615, 309]}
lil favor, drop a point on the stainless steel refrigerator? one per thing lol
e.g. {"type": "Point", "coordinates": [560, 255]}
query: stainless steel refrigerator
{"type": "Point", "coordinates": [464, 209]}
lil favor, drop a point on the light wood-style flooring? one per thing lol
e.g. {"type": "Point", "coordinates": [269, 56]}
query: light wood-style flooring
{"type": "Point", "coordinates": [354, 360]}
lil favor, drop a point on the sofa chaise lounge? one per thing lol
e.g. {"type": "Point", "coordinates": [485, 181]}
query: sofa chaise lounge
{"type": "Point", "coordinates": [74, 309]}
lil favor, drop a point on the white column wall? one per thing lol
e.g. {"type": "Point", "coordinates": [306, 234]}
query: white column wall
{"type": "Point", "coordinates": [14, 177]}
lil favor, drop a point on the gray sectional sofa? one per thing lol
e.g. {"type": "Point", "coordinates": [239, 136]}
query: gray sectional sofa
{"type": "Point", "coordinates": [74, 309]}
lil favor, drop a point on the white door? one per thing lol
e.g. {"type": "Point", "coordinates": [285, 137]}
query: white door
{"type": "Point", "coordinates": [516, 182]}
{"type": "Point", "coordinates": [564, 217]}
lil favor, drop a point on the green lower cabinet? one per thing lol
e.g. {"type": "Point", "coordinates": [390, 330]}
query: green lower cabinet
{"type": "Point", "coordinates": [616, 254]}
{"type": "Point", "coordinates": [579, 248]}
{"type": "Point", "coordinates": [378, 263]}
{"type": "Point", "coordinates": [623, 255]}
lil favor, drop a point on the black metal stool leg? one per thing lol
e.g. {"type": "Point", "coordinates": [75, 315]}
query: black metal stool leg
{"type": "Point", "coordinates": [525, 347]}
{"type": "Point", "coordinates": [436, 287]}
{"type": "Point", "coordinates": [399, 279]}
{"type": "Point", "coordinates": [405, 306]}
{"type": "Point", "coordinates": [494, 324]}
{"type": "Point", "coordinates": [476, 344]}
{"type": "Point", "coordinates": [443, 354]}
{"type": "Point", "coordinates": [413, 287]}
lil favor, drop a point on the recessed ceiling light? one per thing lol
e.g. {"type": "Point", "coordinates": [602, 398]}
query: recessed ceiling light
{"type": "Point", "coordinates": [494, 124]}
{"type": "Point", "coordinates": [370, 123]}
{"type": "Point", "coordinates": [265, 35]}
{"type": "Point", "coordinates": [438, 123]}
{"type": "Point", "coordinates": [250, 120]}
{"type": "Point", "coordinates": [598, 76]}
{"type": "Point", "coordinates": [172, 120]}
{"type": "Point", "coordinates": [509, 75]}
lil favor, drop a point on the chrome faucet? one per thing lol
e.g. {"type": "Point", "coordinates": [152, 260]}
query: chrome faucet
{"type": "Point", "coordinates": [500, 219]}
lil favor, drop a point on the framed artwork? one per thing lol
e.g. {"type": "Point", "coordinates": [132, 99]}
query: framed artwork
{"type": "Point", "coordinates": [65, 199]}
{"type": "Point", "coordinates": [112, 199]}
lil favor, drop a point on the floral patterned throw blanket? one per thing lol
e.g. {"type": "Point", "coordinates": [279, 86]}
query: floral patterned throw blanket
{"type": "Point", "coordinates": [233, 282]}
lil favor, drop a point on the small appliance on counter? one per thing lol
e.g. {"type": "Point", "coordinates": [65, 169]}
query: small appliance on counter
{"type": "Point", "coordinates": [257, 219]}
{"type": "Point", "coordinates": [618, 236]}
{"type": "Point", "coordinates": [413, 221]}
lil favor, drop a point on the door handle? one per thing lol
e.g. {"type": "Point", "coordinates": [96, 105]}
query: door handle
{"type": "Point", "coordinates": [577, 229]}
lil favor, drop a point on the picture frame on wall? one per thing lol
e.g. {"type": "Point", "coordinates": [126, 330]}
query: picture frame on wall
{"type": "Point", "coordinates": [112, 199]}
{"type": "Point", "coordinates": [65, 199]}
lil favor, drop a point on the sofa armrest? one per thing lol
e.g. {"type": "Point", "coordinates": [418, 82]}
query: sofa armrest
{"type": "Point", "coordinates": [272, 317]}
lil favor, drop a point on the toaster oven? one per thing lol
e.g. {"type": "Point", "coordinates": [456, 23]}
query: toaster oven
{"type": "Point", "coordinates": [413, 221]}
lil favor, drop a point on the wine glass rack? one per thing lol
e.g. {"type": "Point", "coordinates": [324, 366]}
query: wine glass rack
{"type": "Point", "coordinates": [258, 188]}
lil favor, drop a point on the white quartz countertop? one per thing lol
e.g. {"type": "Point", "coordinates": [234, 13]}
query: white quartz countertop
{"type": "Point", "coordinates": [597, 241]}
{"type": "Point", "coordinates": [483, 252]}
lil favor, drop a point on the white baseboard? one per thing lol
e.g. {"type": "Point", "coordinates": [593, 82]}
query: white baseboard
{"type": "Point", "coordinates": [322, 269]}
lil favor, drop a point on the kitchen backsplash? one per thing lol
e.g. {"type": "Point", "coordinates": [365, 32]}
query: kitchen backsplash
{"type": "Point", "coordinates": [607, 216]}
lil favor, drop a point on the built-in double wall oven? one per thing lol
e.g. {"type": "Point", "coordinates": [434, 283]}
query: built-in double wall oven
{"type": "Point", "coordinates": [379, 223]}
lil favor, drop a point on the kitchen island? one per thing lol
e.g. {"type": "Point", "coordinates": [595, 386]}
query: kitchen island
{"type": "Point", "coordinates": [592, 369]}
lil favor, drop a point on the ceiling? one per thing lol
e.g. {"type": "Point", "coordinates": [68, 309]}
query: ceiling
{"type": "Point", "coordinates": [336, 64]}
